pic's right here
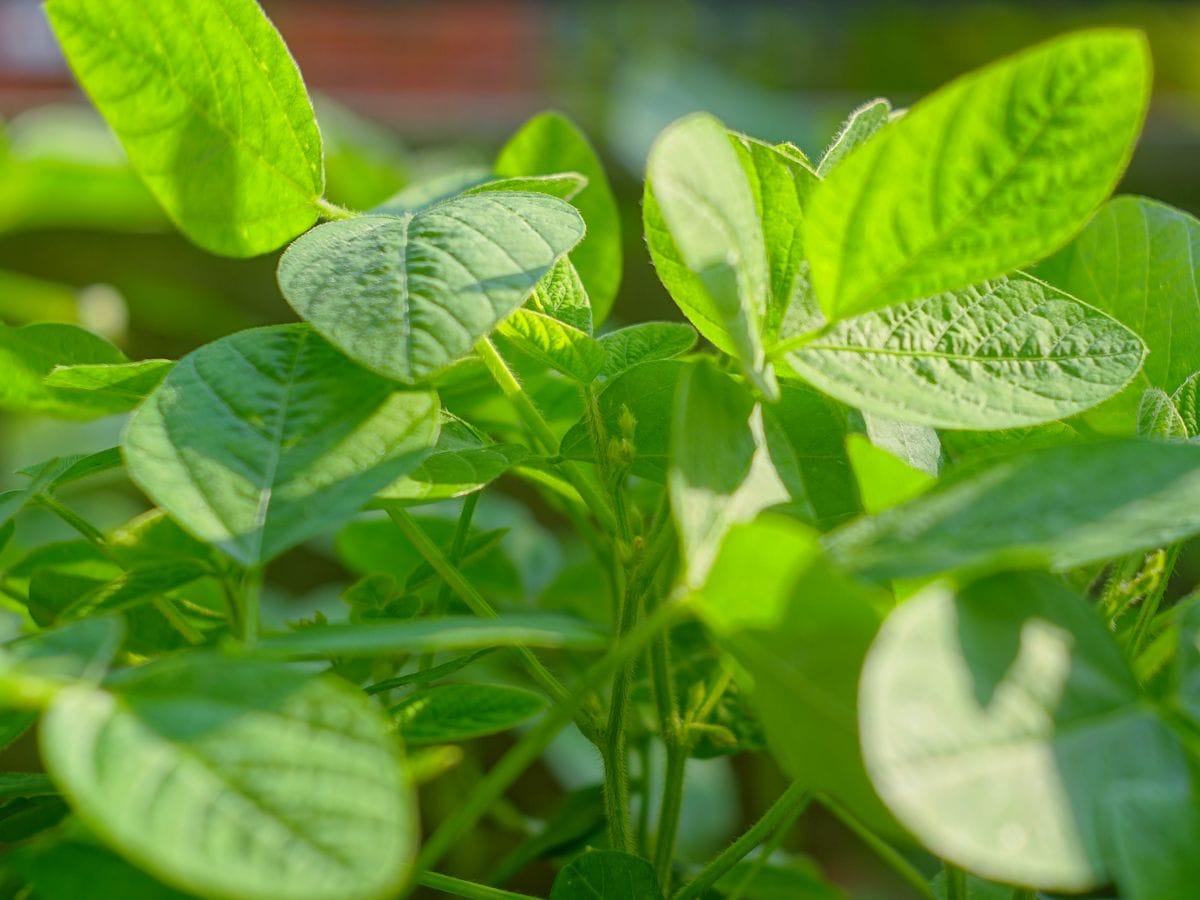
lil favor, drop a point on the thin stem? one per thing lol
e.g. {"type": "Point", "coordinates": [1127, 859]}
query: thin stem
{"type": "Point", "coordinates": [177, 621]}
{"type": "Point", "coordinates": [956, 881]}
{"type": "Point", "coordinates": [881, 848]}
{"type": "Point", "coordinates": [672, 804]}
{"type": "Point", "coordinates": [332, 212]}
{"type": "Point", "coordinates": [795, 797]}
{"type": "Point", "coordinates": [470, 595]}
{"type": "Point", "coordinates": [76, 521]}
{"type": "Point", "coordinates": [536, 739]}
{"type": "Point", "coordinates": [1151, 603]}
{"type": "Point", "coordinates": [458, 544]}
{"type": "Point", "coordinates": [511, 388]}
{"type": "Point", "coordinates": [249, 598]}
{"type": "Point", "coordinates": [457, 887]}
{"type": "Point", "coordinates": [768, 849]}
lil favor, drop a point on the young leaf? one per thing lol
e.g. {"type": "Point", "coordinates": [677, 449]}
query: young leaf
{"type": "Point", "coordinates": [409, 295]}
{"type": "Point", "coordinates": [450, 713]}
{"type": "Point", "coordinates": [555, 344]}
{"type": "Point", "coordinates": [561, 294]}
{"type": "Point", "coordinates": [210, 108]}
{"type": "Point", "coordinates": [997, 724]}
{"type": "Point", "coordinates": [550, 142]}
{"type": "Point", "coordinates": [1137, 261]}
{"type": "Point", "coordinates": [988, 174]}
{"type": "Point", "coordinates": [448, 633]}
{"type": "Point", "coordinates": [1186, 400]}
{"type": "Point", "coordinates": [1158, 417]}
{"type": "Point", "coordinates": [863, 122]}
{"type": "Point", "coordinates": [262, 439]}
{"type": "Point", "coordinates": [606, 875]}
{"type": "Point", "coordinates": [800, 631]}
{"type": "Point", "coordinates": [1059, 507]}
{"type": "Point", "coordinates": [116, 387]}
{"type": "Point", "coordinates": [1000, 354]}
{"type": "Point", "coordinates": [237, 778]}
{"type": "Point", "coordinates": [644, 342]}
{"type": "Point", "coordinates": [721, 470]}
{"type": "Point", "coordinates": [29, 354]}
{"type": "Point", "coordinates": [706, 239]}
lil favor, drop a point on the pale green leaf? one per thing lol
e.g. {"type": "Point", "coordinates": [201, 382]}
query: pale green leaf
{"type": "Point", "coordinates": [30, 353]}
{"type": "Point", "coordinates": [237, 778]}
{"type": "Point", "coordinates": [1158, 417]}
{"type": "Point", "coordinates": [988, 174]}
{"type": "Point", "coordinates": [1001, 354]}
{"type": "Point", "coordinates": [606, 875]}
{"type": "Point", "coordinates": [555, 344]}
{"type": "Point", "coordinates": [996, 725]}
{"type": "Point", "coordinates": [449, 713]}
{"type": "Point", "coordinates": [548, 143]}
{"type": "Point", "coordinates": [862, 123]}
{"type": "Point", "coordinates": [644, 342]}
{"type": "Point", "coordinates": [210, 108]}
{"type": "Point", "coordinates": [917, 445]}
{"type": "Point", "coordinates": [1059, 507]}
{"type": "Point", "coordinates": [116, 386]}
{"type": "Point", "coordinates": [706, 239]}
{"type": "Point", "coordinates": [409, 295]}
{"type": "Point", "coordinates": [262, 439]}
{"type": "Point", "coordinates": [1187, 402]}
{"type": "Point", "coordinates": [884, 480]}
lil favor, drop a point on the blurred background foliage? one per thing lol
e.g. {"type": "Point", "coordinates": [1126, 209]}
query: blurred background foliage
{"type": "Point", "coordinates": [408, 90]}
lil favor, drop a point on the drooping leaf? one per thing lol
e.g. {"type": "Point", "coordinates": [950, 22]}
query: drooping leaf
{"type": "Point", "coordinates": [1060, 507]}
{"type": "Point", "coordinates": [555, 344]}
{"type": "Point", "coordinates": [1138, 261]}
{"type": "Point", "coordinates": [210, 108]}
{"type": "Point", "coordinates": [644, 342]}
{"type": "Point", "coordinates": [237, 778]}
{"type": "Point", "coordinates": [448, 633]}
{"type": "Point", "coordinates": [606, 875]}
{"type": "Point", "coordinates": [721, 469]}
{"type": "Point", "coordinates": [1158, 417]}
{"type": "Point", "coordinates": [450, 713]}
{"type": "Point", "coordinates": [799, 630]}
{"type": "Point", "coordinates": [28, 355]}
{"type": "Point", "coordinates": [996, 725]}
{"type": "Point", "coordinates": [115, 387]}
{"type": "Point", "coordinates": [988, 174]}
{"type": "Point", "coordinates": [262, 439]}
{"type": "Point", "coordinates": [1001, 354]}
{"type": "Point", "coordinates": [862, 123]}
{"type": "Point", "coordinates": [409, 295]}
{"type": "Point", "coordinates": [550, 142]}
{"type": "Point", "coordinates": [706, 239]}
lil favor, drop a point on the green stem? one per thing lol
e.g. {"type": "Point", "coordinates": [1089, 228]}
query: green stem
{"type": "Point", "coordinates": [76, 521]}
{"type": "Point", "coordinates": [167, 610]}
{"type": "Point", "coordinates": [795, 797]}
{"type": "Point", "coordinates": [458, 544]}
{"type": "Point", "coordinates": [332, 212]}
{"type": "Point", "coordinates": [768, 850]}
{"type": "Point", "coordinates": [531, 745]}
{"type": "Point", "coordinates": [881, 848]}
{"type": "Point", "coordinates": [511, 388]}
{"type": "Point", "coordinates": [672, 804]}
{"type": "Point", "coordinates": [457, 887]}
{"type": "Point", "coordinates": [956, 881]}
{"type": "Point", "coordinates": [249, 596]}
{"type": "Point", "coordinates": [1151, 603]}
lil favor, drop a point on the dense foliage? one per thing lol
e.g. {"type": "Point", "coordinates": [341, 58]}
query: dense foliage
{"type": "Point", "coordinates": [907, 519]}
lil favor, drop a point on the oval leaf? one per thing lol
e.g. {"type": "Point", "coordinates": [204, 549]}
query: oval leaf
{"type": "Point", "coordinates": [262, 439]}
{"type": "Point", "coordinates": [606, 875]}
{"type": "Point", "coordinates": [409, 295]}
{"type": "Point", "coordinates": [644, 342]}
{"type": "Point", "coordinates": [555, 344]}
{"type": "Point", "coordinates": [449, 713]}
{"type": "Point", "coordinates": [210, 108]}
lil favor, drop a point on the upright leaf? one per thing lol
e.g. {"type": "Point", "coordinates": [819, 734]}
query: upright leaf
{"type": "Point", "coordinates": [109, 386]}
{"type": "Point", "coordinates": [1158, 417]}
{"type": "Point", "coordinates": [997, 725]}
{"type": "Point", "coordinates": [644, 342]}
{"type": "Point", "coordinates": [862, 123]}
{"type": "Point", "coordinates": [237, 778]}
{"type": "Point", "coordinates": [706, 239]}
{"type": "Point", "coordinates": [555, 344]}
{"type": "Point", "coordinates": [561, 294]}
{"type": "Point", "coordinates": [549, 143]}
{"type": "Point", "coordinates": [210, 108]}
{"type": "Point", "coordinates": [988, 174]}
{"type": "Point", "coordinates": [1186, 401]}
{"type": "Point", "coordinates": [1000, 354]}
{"type": "Point", "coordinates": [409, 295]}
{"type": "Point", "coordinates": [262, 439]}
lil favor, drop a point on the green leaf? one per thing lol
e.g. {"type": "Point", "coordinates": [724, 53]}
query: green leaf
{"type": "Point", "coordinates": [561, 294]}
{"type": "Point", "coordinates": [606, 875]}
{"type": "Point", "coordinates": [448, 633]}
{"type": "Point", "coordinates": [644, 342]}
{"type": "Point", "coordinates": [721, 470]}
{"type": "Point", "coordinates": [463, 461]}
{"type": "Point", "coordinates": [997, 724]}
{"type": "Point", "coordinates": [1137, 261]}
{"type": "Point", "coordinates": [577, 818]}
{"type": "Point", "coordinates": [550, 142]}
{"type": "Point", "coordinates": [863, 122]}
{"type": "Point", "coordinates": [1059, 507]}
{"type": "Point", "coordinates": [48, 476]}
{"type": "Point", "coordinates": [799, 630]}
{"type": "Point", "coordinates": [450, 713]}
{"type": "Point", "coordinates": [988, 174]}
{"type": "Point", "coordinates": [917, 445]}
{"type": "Point", "coordinates": [706, 239]}
{"type": "Point", "coordinates": [1155, 833]}
{"type": "Point", "coordinates": [884, 480]}
{"type": "Point", "coordinates": [25, 784]}
{"type": "Point", "coordinates": [262, 439]}
{"type": "Point", "coordinates": [409, 295]}
{"type": "Point", "coordinates": [797, 878]}
{"type": "Point", "coordinates": [976, 889]}
{"type": "Point", "coordinates": [1000, 354]}
{"type": "Point", "coordinates": [66, 867]}
{"type": "Point", "coordinates": [647, 391]}
{"type": "Point", "coordinates": [555, 344]}
{"type": "Point", "coordinates": [116, 387]}
{"type": "Point", "coordinates": [28, 355]}
{"type": "Point", "coordinates": [237, 778]}
{"type": "Point", "coordinates": [1187, 402]}
{"type": "Point", "coordinates": [563, 185]}
{"type": "Point", "coordinates": [210, 108]}
{"type": "Point", "coordinates": [1158, 417]}
{"type": "Point", "coordinates": [77, 652]}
